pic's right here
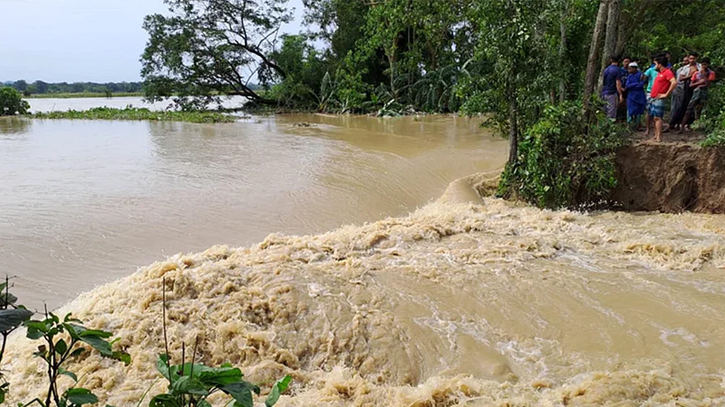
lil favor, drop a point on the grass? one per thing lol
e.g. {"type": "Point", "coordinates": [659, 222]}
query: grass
{"type": "Point", "coordinates": [132, 113]}
{"type": "Point", "coordinates": [83, 95]}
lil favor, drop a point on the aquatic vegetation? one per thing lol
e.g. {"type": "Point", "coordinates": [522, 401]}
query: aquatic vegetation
{"type": "Point", "coordinates": [133, 113]}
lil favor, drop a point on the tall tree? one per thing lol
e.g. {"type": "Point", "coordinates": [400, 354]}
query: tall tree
{"type": "Point", "coordinates": [210, 47]}
{"type": "Point", "coordinates": [590, 79]}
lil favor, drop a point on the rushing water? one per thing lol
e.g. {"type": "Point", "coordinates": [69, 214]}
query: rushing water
{"type": "Point", "coordinates": [463, 302]}
{"type": "Point", "coordinates": [84, 202]}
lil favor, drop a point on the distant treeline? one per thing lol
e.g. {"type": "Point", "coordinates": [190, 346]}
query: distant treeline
{"type": "Point", "coordinates": [64, 89]}
{"type": "Point", "coordinates": [42, 88]}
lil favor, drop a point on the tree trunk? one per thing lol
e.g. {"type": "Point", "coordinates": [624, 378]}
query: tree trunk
{"type": "Point", "coordinates": [610, 43]}
{"type": "Point", "coordinates": [590, 80]}
{"type": "Point", "coordinates": [513, 118]}
{"type": "Point", "coordinates": [623, 33]}
{"type": "Point", "coordinates": [562, 52]}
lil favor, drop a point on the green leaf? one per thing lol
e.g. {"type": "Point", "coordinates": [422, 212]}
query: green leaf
{"type": "Point", "coordinates": [77, 352]}
{"type": "Point", "coordinates": [69, 374]}
{"type": "Point", "coordinates": [122, 357]}
{"type": "Point", "coordinates": [61, 347]}
{"type": "Point", "coordinates": [189, 385]}
{"type": "Point", "coordinates": [13, 318]}
{"type": "Point", "coordinates": [7, 299]}
{"type": "Point", "coordinates": [241, 392]}
{"type": "Point", "coordinates": [80, 397]}
{"type": "Point", "coordinates": [164, 400]}
{"type": "Point", "coordinates": [36, 329]}
{"type": "Point", "coordinates": [162, 365]}
{"type": "Point", "coordinates": [220, 376]}
{"type": "Point", "coordinates": [277, 390]}
{"type": "Point", "coordinates": [99, 344]}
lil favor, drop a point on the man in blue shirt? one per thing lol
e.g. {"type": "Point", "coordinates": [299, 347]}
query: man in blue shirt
{"type": "Point", "coordinates": [612, 89]}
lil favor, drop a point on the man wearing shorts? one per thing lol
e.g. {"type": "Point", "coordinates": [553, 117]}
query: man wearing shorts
{"type": "Point", "coordinates": [663, 86]}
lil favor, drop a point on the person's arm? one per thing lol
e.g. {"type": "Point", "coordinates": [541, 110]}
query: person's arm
{"type": "Point", "coordinates": [619, 90]}
{"type": "Point", "coordinates": [673, 85]}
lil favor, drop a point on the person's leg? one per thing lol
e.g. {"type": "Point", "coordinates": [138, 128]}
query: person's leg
{"type": "Point", "coordinates": [658, 129]}
{"type": "Point", "coordinates": [611, 106]}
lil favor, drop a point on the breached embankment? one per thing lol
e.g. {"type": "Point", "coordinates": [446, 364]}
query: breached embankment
{"type": "Point", "coordinates": [671, 177]}
{"type": "Point", "coordinates": [466, 301]}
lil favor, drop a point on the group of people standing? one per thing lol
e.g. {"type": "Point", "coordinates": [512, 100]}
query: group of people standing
{"type": "Point", "coordinates": [646, 92]}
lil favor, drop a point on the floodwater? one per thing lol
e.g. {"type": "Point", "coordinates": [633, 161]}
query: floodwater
{"type": "Point", "coordinates": [51, 104]}
{"type": "Point", "coordinates": [87, 202]}
{"type": "Point", "coordinates": [465, 301]}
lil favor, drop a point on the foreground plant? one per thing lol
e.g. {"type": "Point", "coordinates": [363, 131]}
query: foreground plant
{"type": "Point", "coordinates": [11, 317]}
{"type": "Point", "coordinates": [63, 341]}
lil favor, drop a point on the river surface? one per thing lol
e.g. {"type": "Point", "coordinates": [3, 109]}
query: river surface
{"type": "Point", "coordinates": [87, 202]}
{"type": "Point", "coordinates": [443, 298]}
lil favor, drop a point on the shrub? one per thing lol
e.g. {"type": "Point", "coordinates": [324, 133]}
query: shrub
{"type": "Point", "coordinates": [12, 103]}
{"type": "Point", "coordinates": [712, 121]}
{"type": "Point", "coordinates": [564, 161]}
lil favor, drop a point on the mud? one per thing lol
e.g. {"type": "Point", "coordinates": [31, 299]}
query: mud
{"type": "Point", "coordinates": [671, 177]}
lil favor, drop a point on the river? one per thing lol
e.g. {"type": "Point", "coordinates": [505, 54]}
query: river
{"type": "Point", "coordinates": [457, 301]}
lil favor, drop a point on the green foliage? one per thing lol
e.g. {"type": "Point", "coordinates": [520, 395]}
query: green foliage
{"type": "Point", "coordinates": [78, 89]}
{"type": "Point", "coordinates": [304, 69]}
{"type": "Point", "coordinates": [132, 113]}
{"type": "Point", "coordinates": [65, 340]}
{"type": "Point", "coordinates": [715, 139]}
{"type": "Point", "coordinates": [12, 316]}
{"type": "Point", "coordinates": [564, 161]}
{"type": "Point", "coordinates": [84, 95]}
{"type": "Point", "coordinates": [190, 384]}
{"type": "Point", "coordinates": [12, 103]}
{"type": "Point", "coordinates": [200, 49]}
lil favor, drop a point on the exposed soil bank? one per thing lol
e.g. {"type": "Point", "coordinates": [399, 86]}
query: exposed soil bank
{"type": "Point", "coordinates": [671, 177]}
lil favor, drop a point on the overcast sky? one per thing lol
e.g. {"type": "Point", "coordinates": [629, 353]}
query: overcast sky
{"type": "Point", "coordinates": [79, 40]}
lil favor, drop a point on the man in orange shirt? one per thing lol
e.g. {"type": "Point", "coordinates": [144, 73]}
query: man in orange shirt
{"type": "Point", "coordinates": [663, 86]}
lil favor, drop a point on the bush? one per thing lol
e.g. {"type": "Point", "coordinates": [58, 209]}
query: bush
{"type": "Point", "coordinates": [12, 103]}
{"type": "Point", "coordinates": [712, 121]}
{"type": "Point", "coordinates": [564, 161]}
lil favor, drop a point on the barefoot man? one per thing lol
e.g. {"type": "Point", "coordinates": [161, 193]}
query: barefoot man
{"type": "Point", "coordinates": [664, 84]}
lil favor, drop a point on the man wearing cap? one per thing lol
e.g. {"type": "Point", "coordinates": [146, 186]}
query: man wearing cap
{"type": "Point", "coordinates": [636, 99]}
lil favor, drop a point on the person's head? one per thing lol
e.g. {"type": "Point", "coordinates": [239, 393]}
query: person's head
{"type": "Point", "coordinates": [667, 55]}
{"type": "Point", "coordinates": [686, 60]}
{"type": "Point", "coordinates": [661, 63]}
{"type": "Point", "coordinates": [632, 67]}
{"type": "Point", "coordinates": [654, 58]}
{"type": "Point", "coordinates": [614, 60]}
{"type": "Point", "coordinates": [626, 61]}
{"type": "Point", "coordinates": [693, 58]}
{"type": "Point", "coordinates": [705, 64]}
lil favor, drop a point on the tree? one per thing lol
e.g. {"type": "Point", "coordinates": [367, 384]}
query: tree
{"type": "Point", "coordinates": [11, 103]}
{"type": "Point", "coordinates": [207, 48]}
{"type": "Point", "coordinates": [590, 80]}
{"type": "Point", "coordinates": [509, 40]}
{"type": "Point", "coordinates": [20, 85]}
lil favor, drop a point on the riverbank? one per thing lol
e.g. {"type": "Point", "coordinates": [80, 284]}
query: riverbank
{"type": "Point", "coordinates": [132, 113]}
{"type": "Point", "coordinates": [674, 176]}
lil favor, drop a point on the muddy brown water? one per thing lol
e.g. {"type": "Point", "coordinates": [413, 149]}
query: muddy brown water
{"type": "Point", "coordinates": [86, 202]}
{"type": "Point", "coordinates": [463, 302]}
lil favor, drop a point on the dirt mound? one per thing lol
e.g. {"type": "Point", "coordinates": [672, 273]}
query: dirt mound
{"type": "Point", "coordinates": [671, 177]}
